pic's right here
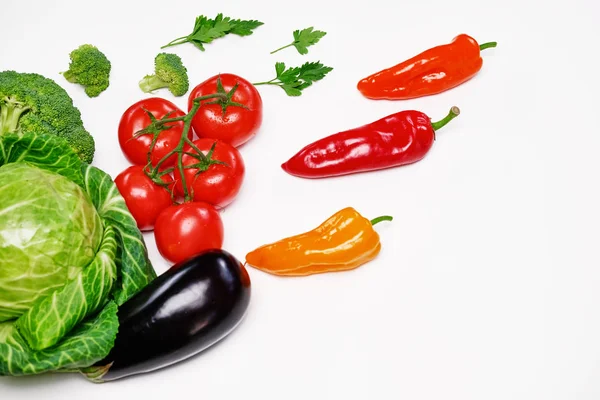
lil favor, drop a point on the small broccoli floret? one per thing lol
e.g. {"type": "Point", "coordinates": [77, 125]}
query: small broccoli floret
{"type": "Point", "coordinates": [90, 68]}
{"type": "Point", "coordinates": [33, 103]}
{"type": "Point", "coordinates": [169, 72]}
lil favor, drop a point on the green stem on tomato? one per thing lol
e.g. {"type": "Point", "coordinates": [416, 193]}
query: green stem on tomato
{"type": "Point", "coordinates": [453, 113]}
{"type": "Point", "coordinates": [179, 148]}
{"type": "Point", "coordinates": [197, 150]}
{"type": "Point", "coordinates": [382, 218]}
{"type": "Point", "coordinates": [487, 45]}
{"type": "Point", "coordinates": [168, 120]}
{"type": "Point", "coordinates": [187, 123]}
{"type": "Point", "coordinates": [166, 171]}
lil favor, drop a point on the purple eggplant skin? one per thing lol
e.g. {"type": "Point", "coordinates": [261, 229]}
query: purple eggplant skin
{"type": "Point", "coordinates": [182, 312]}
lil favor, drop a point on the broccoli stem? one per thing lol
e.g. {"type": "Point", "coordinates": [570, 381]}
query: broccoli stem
{"type": "Point", "coordinates": [151, 83]}
{"type": "Point", "coordinates": [70, 76]}
{"type": "Point", "coordinates": [10, 113]}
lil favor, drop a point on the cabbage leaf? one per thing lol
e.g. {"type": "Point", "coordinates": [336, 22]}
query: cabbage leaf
{"type": "Point", "coordinates": [75, 325]}
{"type": "Point", "coordinates": [88, 343]}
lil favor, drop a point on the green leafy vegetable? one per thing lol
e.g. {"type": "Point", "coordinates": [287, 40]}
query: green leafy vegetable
{"type": "Point", "coordinates": [88, 343]}
{"type": "Point", "coordinates": [33, 103]}
{"type": "Point", "coordinates": [295, 79]}
{"type": "Point", "coordinates": [70, 253]}
{"type": "Point", "coordinates": [206, 30]}
{"type": "Point", "coordinates": [303, 39]}
{"type": "Point", "coordinates": [134, 269]}
{"type": "Point", "coordinates": [90, 68]}
{"type": "Point", "coordinates": [48, 321]}
{"type": "Point", "coordinates": [48, 223]}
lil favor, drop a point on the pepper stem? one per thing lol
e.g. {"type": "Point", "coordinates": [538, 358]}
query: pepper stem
{"type": "Point", "coordinates": [487, 45]}
{"type": "Point", "coordinates": [382, 218]}
{"type": "Point", "coordinates": [453, 113]}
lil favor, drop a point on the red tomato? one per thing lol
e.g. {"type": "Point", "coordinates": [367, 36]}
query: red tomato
{"type": "Point", "coordinates": [219, 184]}
{"type": "Point", "coordinates": [239, 124]}
{"type": "Point", "coordinates": [183, 230]}
{"type": "Point", "coordinates": [135, 119]}
{"type": "Point", "coordinates": [144, 199]}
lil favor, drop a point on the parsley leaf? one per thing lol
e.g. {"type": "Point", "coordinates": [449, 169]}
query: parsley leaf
{"type": "Point", "coordinates": [303, 39]}
{"type": "Point", "coordinates": [206, 30]}
{"type": "Point", "coordinates": [244, 28]}
{"type": "Point", "coordinates": [295, 79]}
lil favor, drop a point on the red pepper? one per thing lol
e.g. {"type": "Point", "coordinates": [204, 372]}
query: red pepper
{"type": "Point", "coordinates": [398, 139]}
{"type": "Point", "coordinates": [433, 71]}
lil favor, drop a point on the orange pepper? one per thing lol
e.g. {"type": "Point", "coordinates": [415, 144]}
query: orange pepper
{"type": "Point", "coordinates": [345, 241]}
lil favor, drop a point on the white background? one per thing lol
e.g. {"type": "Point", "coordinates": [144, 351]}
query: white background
{"type": "Point", "coordinates": [488, 282]}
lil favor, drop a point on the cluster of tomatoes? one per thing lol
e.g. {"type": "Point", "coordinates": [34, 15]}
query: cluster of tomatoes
{"type": "Point", "coordinates": [184, 227]}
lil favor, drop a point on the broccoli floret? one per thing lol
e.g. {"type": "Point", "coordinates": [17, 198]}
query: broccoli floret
{"type": "Point", "coordinates": [81, 142]}
{"type": "Point", "coordinates": [169, 72]}
{"type": "Point", "coordinates": [90, 68]}
{"type": "Point", "coordinates": [33, 103]}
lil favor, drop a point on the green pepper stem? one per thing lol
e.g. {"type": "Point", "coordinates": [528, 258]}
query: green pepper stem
{"type": "Point", "coordinates": [487, 45]}
{"type": "Point", "coordinates": [382, 218]}
{"type": "Point", "coordinates": [453, 113]}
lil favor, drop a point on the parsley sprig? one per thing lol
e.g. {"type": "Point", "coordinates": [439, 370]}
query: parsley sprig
{"type": "Point", "coordinates": [206, 30]}
{"type": "Point", "coordinates": [295, 79]}
{"type": "Point", "coordinates": [303, 39]}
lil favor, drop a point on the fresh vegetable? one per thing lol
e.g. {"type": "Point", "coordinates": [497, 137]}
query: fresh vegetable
{"type": "Point", "coordinates": [156, 170]}
{"type": "Point", "coordinates": [192, 306]}
{"type": "Point", "coordinates": [184, 230]}
{"type": "Point", "coordinates": [206, 30]}
{"type": "Point", "coordinates": [303, 39]}
{"type": "Point", "coordinates": [398, 139]}
{"type": "Point", "coordinates": [169, 72]}
{"type": "Point", "coordinates": [295, 79]}
{"type": "Point", "coordinates": [211, 181]}
{"type": "Point", "coordinates": [144, 198]}
{"type": "Point", "coordinates": [136, 141]}
{"type": "Point", "coordinates": [90, 68]}
{"type": "Point", "coordinates": [70, 254]}
{"type": "Point", "coordinates": [345, 241]}
{"type": "Point", "coordinates": [33, 103]}
{"type": "Point", "coordinates": [234, 121]}
{"type": "Point", "coordinates": [433, 71]}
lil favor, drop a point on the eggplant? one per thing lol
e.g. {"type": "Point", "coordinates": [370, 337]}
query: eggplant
{"type": "Point", "coordinates": [182, 312]}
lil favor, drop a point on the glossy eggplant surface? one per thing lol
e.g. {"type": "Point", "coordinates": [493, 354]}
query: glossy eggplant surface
{"type": "Point", "coordinates": [187, 309]}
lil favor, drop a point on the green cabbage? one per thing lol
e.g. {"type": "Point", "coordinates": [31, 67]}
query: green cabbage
{"type": "Point", "coordinates": [49, 227]}
{"type": "Point", "coordinates": [70, 254]}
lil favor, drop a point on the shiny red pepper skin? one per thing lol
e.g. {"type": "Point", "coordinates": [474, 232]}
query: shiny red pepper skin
{"type": "Point", "coordinates": [398, 139]}
{"type": "Point", "coordinates": [431, 72]}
